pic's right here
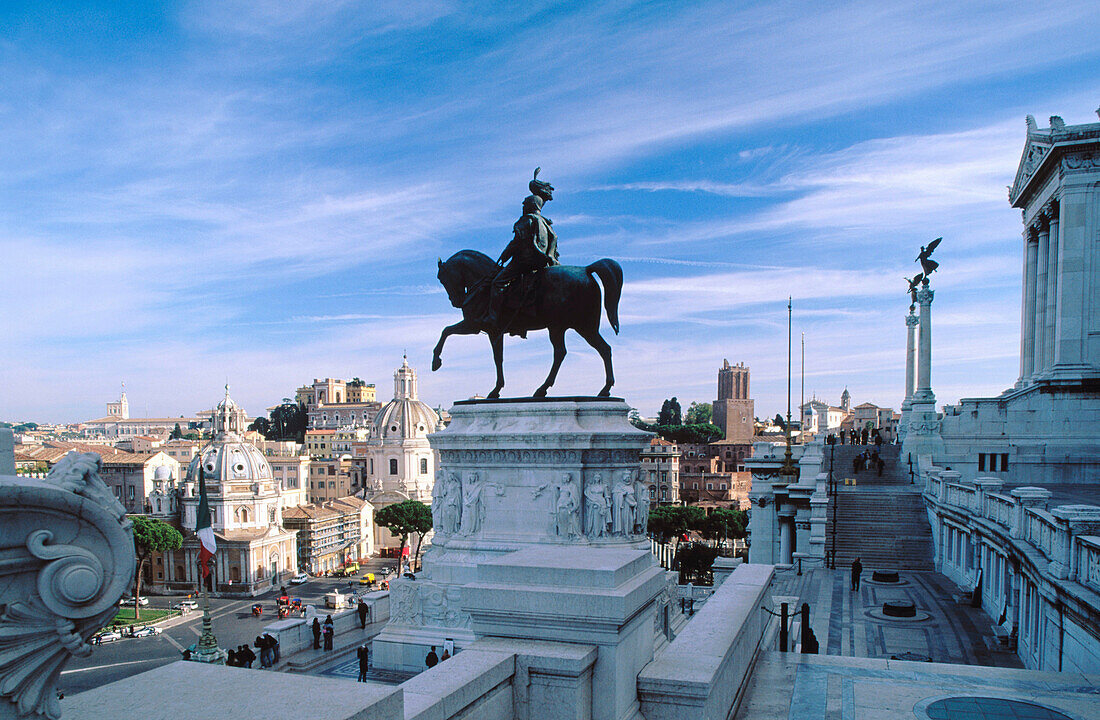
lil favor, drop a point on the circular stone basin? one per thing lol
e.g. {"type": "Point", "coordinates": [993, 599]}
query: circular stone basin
{"type": "Point", "coordinates": [968, 708]}
{"type": "Point", "coordinates": [885, 576]}
{"type": "Point", "coordinates": [899, 608]}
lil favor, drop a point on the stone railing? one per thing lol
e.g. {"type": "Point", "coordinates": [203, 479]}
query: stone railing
{"type": "Point", "coordinates": [960, 496]}
{"type": "Point", "coordinates": [67, 552]}
{"type": "Point", "coordinates": [1088, 561]}
{"type": "Point", "coordinates": [701, 674]}
{"type": "Point", "coordinates": [1067, 535]}
{"type": "Point", "coordinates": [1041, 529]}
{"type": "Point", "coordinates": [999, 509]}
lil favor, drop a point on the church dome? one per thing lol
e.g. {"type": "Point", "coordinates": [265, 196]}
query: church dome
{"type": "Point", "coordinates": [228, 457]}
{"type": "Point", "coordinates": [405, 417]}
{"type": "Point", "coordinates": [230, 461]}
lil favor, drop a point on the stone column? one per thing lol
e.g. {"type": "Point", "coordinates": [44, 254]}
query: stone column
{"type": "Point", "coordinates": [1078, 273]}
{"type": "Point", "coordinates": [1041, 298]}
{"type": "Point", "coordinates": [1027, 332]}
{"type": "Point", "coordinates": [786, 537]}
{"type": "Point", "coordinates": [924, 393]}
{"type": "Point", "coordinates": [1050, 212]}
{"type": "Point", "coordinates": [911, 322]}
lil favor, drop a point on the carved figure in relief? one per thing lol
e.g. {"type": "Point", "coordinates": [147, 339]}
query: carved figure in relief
{"type": "Point", "coordinates": [623, 504]}
{"type": "Point", "coordinates": [450, 504]}
{"type": "Point", "coordinates": [438, 490]}
{"type": "Point", "coordinates": [473, 502]}
{"type": "Point", "coordinates": [641, 512]}
{"type": "Point", "coordinates": [567, 523]}
{"type": "Point", "coordinates": [597, 514]}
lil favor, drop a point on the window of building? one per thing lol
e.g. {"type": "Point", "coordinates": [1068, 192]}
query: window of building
{"type": "Point", "coordinates": [130, 492]}
{"type": "Point", "coordinates": [695, 486]}
{"type": "Point", "coordinates": [332, 483]}
{"type": "Point", "coordinates": [423, 466]}
{"type": "Point", "coordinates": [710, 486]}
{"type": "Point", "coordinates": [722, 486]}
{"type": "Point", "coordinates": [393, 466]}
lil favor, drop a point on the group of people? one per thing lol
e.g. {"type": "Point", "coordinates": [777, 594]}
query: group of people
{"type": "Point", "coordinates": [241, 657]}
{"type": "Point", "coordinates": [868, 460]}
{"type": "Point", "coordinates": [857, 437]}
{"type": "Point", "coordinates": [324, 631]}
{"type": "Point", "coordinates": [431, 660]}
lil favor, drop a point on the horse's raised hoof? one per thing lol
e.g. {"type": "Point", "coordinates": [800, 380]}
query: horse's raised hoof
{"type": "Point", "coordinates": [606, 392]}
{"type": "Point", "coordinates": [541, 392]}
{"type": "Point", "coordinates": [437, 362]}
{"type": "Point", "coordinates": [493, 395]}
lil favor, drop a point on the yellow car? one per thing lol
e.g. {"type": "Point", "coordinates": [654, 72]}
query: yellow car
{"type": "Point", "coordinates": [367, 579]}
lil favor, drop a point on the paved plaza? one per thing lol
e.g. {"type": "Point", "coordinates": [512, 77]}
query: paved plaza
{"type": "Point", "coordinates": [854, 677]}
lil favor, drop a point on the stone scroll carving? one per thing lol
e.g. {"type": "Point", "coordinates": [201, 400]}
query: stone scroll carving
{"type": "Point", "coordinates": [69, 557]}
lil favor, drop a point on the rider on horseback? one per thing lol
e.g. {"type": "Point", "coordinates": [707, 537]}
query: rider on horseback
{"type": "Point", "coordinates": [534, 245]}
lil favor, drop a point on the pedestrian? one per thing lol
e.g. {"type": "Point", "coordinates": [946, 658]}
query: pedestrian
{"type": "Point", "coordinates": [246, 656]}
{"type": "Point", "coordinates": [432, 659]}
{"type": "Point", "coordinates": [855, 464]}
{"type": "Point", "coordinates": [329, 632]}
{"type": "Point", "coordinates": [282, 591]}
{"type": "Point", "coordinates": [857, 570]}
{"type": "Point", "coordinates": [445, 655]}
{"type": "Point", "coordinates": [232, 660]}
{"type": "Point", "coordinates": [316, 634]}
{"type": "Point", "coordinates": [273, 644]}
{"type": "Point", "coordinates": [362, 609]}
{"type": "Point", "coordinates": [261, 644]}
{"type": "Point", "coordinates": [364, 661]}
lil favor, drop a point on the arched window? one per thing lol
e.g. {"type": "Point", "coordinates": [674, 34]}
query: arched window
{"type": "Point", "coordinates": [181, 574]}
{"type": "Point", "coordinates": [393, 466]}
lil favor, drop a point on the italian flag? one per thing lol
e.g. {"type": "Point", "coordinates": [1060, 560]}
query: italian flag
{"type": "Point", "coordinates": [203, 529]}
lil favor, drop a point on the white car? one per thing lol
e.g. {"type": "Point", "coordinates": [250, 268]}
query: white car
{"type": "Point", "coordinates": [129, 600]}
{"type": "Point", "coordinates": [147, 631]}
{"type": "Point", "coordinates": [105, 637]}
{"type": "Point", "coordinates": [299, 579]}
{"type": "Point", "coordinates": [186, 605]}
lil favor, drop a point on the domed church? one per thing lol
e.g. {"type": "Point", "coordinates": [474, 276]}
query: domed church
{"type": "Point", "coordinates": [400, 462]}
{"type": "Point", "coordinates": [255, 553]}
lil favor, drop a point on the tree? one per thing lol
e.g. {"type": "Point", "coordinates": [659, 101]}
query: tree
{"type": "Point", "coordinates": [723, 523]}
{"type": "Point", "coordinates": [698, 434]}
{"type": "Point", "coordinates": [694, 562]}
{"type": "Point", "coordinates": [177, 433]}
{"type": "Point", "coordinates": [403, 519]}
{"type": "Point", "coordinates": [669, 522]}
{"type": "Point", "coordinates": [151, 535]}
{"type": "Point", "coordinates": [670, 413]}
{"type": "Point", "coordinates": [699, 413]}
{"type": "Point", "coordinates": [780, 422]}
{"type": "Point", "coordinates": [261, 425]}
{"type": "Point", "coordinates": [192, 436]}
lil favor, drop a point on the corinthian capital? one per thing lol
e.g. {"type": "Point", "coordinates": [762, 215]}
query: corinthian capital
{"type": "Point", "coordinates": [912, 320]}
{"type": "Point", "coordinates": [925, 295]}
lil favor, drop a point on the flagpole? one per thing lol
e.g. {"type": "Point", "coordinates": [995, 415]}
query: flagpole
{"type": "Point", "coordinates": [207, 649]}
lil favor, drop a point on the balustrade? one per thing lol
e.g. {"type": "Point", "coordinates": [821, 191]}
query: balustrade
{"type": "Point", "coordinates": [1041, 530]}
{"type": "Point", "coordinates": [998, 508]}
{"type": "Point", "coordinates": [1088, 561]}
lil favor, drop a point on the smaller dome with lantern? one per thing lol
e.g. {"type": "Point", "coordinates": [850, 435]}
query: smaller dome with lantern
{"type": "Point", "coordinates": [228, 458]}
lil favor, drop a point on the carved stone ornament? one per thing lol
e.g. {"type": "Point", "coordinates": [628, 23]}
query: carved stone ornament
{"type": "Point", "coordinates": [925, 427]}
{"type": "Point", "coordinates": [68, 552]}
{"type": "Point", "coordinates": [1080, 161]}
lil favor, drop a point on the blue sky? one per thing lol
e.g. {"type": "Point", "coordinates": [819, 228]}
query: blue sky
{"type": "Point", "coordinates": [197, 192]}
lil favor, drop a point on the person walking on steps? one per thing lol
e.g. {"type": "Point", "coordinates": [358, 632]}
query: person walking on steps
{"type": "Point", "coordinates": [316, 628]}
{"type": "Point", "coordinates": [857, 570]}
{"type": "Point", "coordinates": [432, 659]}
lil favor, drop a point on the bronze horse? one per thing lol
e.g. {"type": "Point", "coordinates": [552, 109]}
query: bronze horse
{"type": "Point", "coordinates": [567, 297]}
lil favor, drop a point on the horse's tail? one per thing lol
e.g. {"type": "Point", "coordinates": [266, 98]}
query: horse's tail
{"type": "Point", "coordinates": [611, 275]}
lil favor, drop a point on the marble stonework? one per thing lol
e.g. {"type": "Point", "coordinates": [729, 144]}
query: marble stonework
{"type": "Point", "coordinates": [540, 520]}
{"type": "Point", "coordinates": [68, 557]}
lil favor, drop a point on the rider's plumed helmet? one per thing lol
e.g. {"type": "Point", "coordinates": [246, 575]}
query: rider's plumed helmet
{"type": "Point", "coordinates": [541, 188]}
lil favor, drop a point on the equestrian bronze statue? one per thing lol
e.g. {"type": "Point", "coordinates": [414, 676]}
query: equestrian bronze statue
{"type": "Point", "coordinates": [526, 289]}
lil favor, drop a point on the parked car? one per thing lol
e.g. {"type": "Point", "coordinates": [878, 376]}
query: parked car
{"type": "Point", "coordinates": [129, 600]}
{"type": "Point", "coordinates": [186, 605]}
{"type": "Point", "coordinates": [105, 637]}
{"type": "Point", "coordinates": [147, 631]}
{"type": "Point", "coordinates": [299, 579]}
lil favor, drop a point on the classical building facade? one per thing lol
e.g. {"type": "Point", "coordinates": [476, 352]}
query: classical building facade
{"type": "Point", "coordinates": [661, 471]}
{"type": "Point", "coordinates": [332, 533]}
{"type": "Point", "coordinates": [255, 552]}
{"type": "Point", "coordinates": [1012, 482]}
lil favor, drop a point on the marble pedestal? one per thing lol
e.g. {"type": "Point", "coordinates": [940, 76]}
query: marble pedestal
{"type": "Point", "coordinates": [539, 534]}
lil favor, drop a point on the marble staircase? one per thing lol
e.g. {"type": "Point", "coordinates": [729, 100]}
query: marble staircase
{"type": "Point", "coordinates": [885, 526]}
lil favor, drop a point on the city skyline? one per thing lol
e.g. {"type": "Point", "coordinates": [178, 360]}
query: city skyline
{"type": "Point", "coordinates": [233, 192]}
